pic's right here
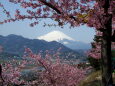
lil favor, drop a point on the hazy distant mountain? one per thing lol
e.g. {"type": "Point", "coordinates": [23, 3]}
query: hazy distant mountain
{"type": "Point", "coordinates": [65, 40]}
{"type": "Point", "coordinates": [16, 44]}
{"type": "Point", "coordinates": [75, 44]}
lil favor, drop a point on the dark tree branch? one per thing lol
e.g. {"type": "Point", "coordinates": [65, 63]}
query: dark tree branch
{"type": "Point", "coordinates": [51, 6]}
{"type": "Point", "coordinates": [1, 73]}
{"type": "Point", "coordinates": [113, 37]}
{"type": "Point", "coordinates": [72, 17]}
{"type": "Point", "coordinates": [106, 6]}
{"type": "Point", "coordinates": [0, 70]}
{"type": "Point", "coordinates": [56, 9]}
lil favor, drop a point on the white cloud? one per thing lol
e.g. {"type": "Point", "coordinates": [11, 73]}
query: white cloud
{"type": "Point", "coordinates": [65, 42]}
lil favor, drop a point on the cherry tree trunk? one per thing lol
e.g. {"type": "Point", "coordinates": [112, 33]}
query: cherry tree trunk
{"type": "Point", "coordinates": [106, 52]}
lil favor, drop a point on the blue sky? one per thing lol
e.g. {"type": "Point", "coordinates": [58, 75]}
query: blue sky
{"type": "Point", "coordinates": [82, 33]}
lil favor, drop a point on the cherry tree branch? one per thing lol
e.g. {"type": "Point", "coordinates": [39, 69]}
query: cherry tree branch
{"type": "Point", "coordinates": [1, 73]}
{"type": "Point", "coordinates": [51, 6]}
{"type": "Point", "coordinates": [56, 9]}
{"type": "Point", "coordinates": [5, 11]}
{"type": "Point", "coordinates": [113, 37]}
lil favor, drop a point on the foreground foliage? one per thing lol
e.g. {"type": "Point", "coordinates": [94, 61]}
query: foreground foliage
{"type": "Point", "coordinates": [54, 72]}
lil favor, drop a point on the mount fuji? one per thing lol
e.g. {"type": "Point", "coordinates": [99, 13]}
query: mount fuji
{"type": "Point", "coordinates": [55, 36]}
{"type": "Point", "coordinates": [64, 39]}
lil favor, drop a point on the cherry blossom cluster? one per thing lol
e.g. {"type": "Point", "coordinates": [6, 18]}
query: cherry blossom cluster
{"type": "Point", "coordinates": [11, 73]}
{"type": "Point", "coordinates": [57, 73]}
{"type": "Point", "coordinates": [95, 52]}
{"type": "Point", "coordinates": [62, 10]}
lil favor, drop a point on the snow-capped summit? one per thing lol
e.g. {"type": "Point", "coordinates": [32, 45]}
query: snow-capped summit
{"type": "Point", "coordinates": [55, 36]}
{"type": "Point", "coordinates": [65, 40]}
